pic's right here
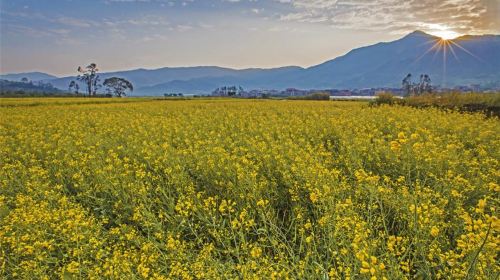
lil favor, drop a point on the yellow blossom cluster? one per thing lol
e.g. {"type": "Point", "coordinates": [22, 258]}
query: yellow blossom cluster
{"type": "Point", "coordinates": [242, 189]}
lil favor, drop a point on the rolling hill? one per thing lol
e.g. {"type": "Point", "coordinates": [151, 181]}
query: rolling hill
{"type": "Point", "coordinates": [463, 61]}
{"type": "Point", "coordinates": [32, 76]}
{"type": "Point", "coordinates": [12, 87]}
{"type": "Point", "coordinates": [469, 60]}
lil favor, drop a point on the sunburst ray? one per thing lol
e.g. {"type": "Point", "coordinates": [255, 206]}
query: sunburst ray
{"type": "Point", "coordinates": [466, 51]}
{"type": "Point", "coordinates": [444, 46]}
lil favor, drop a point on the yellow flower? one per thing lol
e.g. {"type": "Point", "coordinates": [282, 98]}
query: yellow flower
{"type": "Point", "coordinates": [364, 270]}
{"type": "Point", "coordinates": [149, 189]}
{"type": "Point", "coordinates": [256, 252]}
{"type": "Point", "coordinates": [314, 197]}
{"type": "Point", "coordinates": [262, 203]}
{"type": "Point", "coordinates": [480, 205]}
{"type": "Point", "coordinates": [308, 225]}
{"type": "Point", "coordinates": [365, 264]}
{"type": "Point", "coordinates": [73, 267]}
{"type": "Point", "coordinates": [434, 231]}
{"type": "Point", "coordinates": [395, 146]}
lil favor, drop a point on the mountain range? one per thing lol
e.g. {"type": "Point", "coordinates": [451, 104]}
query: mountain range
{"type": "Point", "coordinates": [462, 61]}
{"type": "Point", "coordinates": [32, 76]}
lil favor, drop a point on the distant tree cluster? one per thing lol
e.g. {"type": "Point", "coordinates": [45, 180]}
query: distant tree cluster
{"type": "Point", "coordinates": [27, 88]}
{"type": "Point", "coordinates": [173, 95]}
{"type": "Point", "coordinates": [89, 77]}
{"type": "Point", "coordinates": [228, 91]}
{"type": "Point", "coordinates": [423, 86]}
{"type": "Point", "coordinates": [312, 96]}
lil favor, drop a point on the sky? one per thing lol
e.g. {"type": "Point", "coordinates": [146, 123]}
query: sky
{"type": "Point", "coordinates": [56, 36]}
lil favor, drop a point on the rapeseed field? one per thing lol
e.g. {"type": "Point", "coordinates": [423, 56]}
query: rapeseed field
{"type": "Point", "coordinates": [235, 189]}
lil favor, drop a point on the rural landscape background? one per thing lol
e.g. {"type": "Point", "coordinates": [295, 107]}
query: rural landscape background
{"type": "Point", "coordinates": [269, 139]}
{"type": "Point", "coordinates": [466, 63]}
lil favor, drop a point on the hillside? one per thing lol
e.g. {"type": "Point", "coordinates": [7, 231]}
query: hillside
{"type": "Point", "coordinates": [248, 78]}
{"type": "Point", "coordinates": [469, 60]}
{"type": "Point", "coordinates": [12, 87]}
{"type": "Point", "coordinates": [463, 61]}
{"type": "Point", "coordinates": [31, 76]}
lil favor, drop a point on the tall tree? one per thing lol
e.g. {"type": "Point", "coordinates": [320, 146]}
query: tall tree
{"type": "Point", "coordinates": [427, 84]}
{"type": "Point", "coordinates": [118, 86]}
{"type": "Point", "coordinates": [407, 85]}
{"type": "Point", "coordinates": [89, 76]}
{"type": "Point", "coordinates": [423, 86]}
{"type": "Point", "coordinates": [74, 87]}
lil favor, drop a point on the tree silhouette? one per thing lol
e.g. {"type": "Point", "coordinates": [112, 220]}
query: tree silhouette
{"type": "Point", "coordinates": [407, 85]}
{"type": "Point", "coordinates": [89, 76]}
{"type": "Point", "coordinates": [118, 86]}
{"type": "Point", "coordinates": [424, 85]}
{"type": "Point", "coordinates": [427, 86]}
{"type": "Point", "coordinates": [74, 87]}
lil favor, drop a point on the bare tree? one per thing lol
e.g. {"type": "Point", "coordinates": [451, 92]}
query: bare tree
{"type": "Point", "coordinates": [89, 76]}
{"type": "Point", "coordinates": [407, 85]}
{"type": "Point", "coordinates": [118, 86]}
{"type": "Point", "coordinates": [420, 86]}
{"type": "Point", "coordinates": [74, 87]}
{"type": "Point", "coordinates": [427, 84]}
{"type": "Point", "coordinates": [423, 86]}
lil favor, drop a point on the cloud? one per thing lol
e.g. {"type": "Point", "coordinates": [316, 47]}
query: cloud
{"type": "Point", "coordinates": [162, 2]}
{"type": "Point", "coordinates": [126, 1]}
{"type": "Point", "coordinates": [183, 27]}
{"type": "Point", "coordinates": [464, 16]}
{"type": "Point", "coordinates": [148, 21]}
{"type": "Point", "coordinates": [74, 22]}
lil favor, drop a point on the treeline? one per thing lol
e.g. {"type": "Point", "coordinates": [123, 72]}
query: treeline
{"type": "Point", "coordinates": [20, 93]}
{"type": "Point", "coordinates": [28, 88]}
{"type": "Point", "coordinates": [312, 96]}
{"type": "Point", "coordinates": [488, 103]}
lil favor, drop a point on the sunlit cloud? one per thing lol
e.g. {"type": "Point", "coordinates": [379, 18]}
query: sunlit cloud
{"type": "Point", "coordinates": [447, 18]}
{"type": "Point", "coordinates": [445, 34]}
{"type": "Point", "coordinates": [171, 32]}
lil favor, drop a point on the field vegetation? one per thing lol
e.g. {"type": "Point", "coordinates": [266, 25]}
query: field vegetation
{"type": "Point", "coordinates": [312, 96]}
{"type": "Point", "coordinates": [472, 102]}
{"type": "Point", "coordinates": [252, 189]}
{"type": "Point", "coordinates": [488, 103]}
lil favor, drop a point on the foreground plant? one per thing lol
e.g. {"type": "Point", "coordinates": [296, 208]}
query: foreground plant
{"type": "Point", "coordinates": [217, 189]}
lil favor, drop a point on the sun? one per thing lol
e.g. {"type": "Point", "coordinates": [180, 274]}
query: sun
{"type": "Point", "coordinates": [445, 34]}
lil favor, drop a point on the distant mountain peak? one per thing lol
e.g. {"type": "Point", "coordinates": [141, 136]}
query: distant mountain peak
{"type": "Point", "coordinates": [419, 33]}
{"type": "Point", "coordinates": [475, 61]}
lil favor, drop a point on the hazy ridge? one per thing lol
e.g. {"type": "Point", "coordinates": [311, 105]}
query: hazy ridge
{"type": "Point", "coordinates": [470, 60]}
